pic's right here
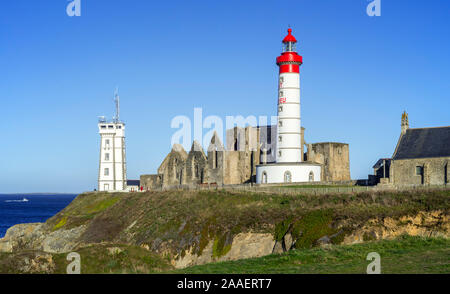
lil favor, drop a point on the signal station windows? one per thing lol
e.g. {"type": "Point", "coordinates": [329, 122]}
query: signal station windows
{"type": "Point", "coordinates": [106, 172]}
{"type": "Point", "coordinates": [119, 127]}
{"type": "Point", "coordinates": [281, 79]}
{"type": "Point", "coordinates": [110, 127]}
{"type": "Point", "coordinates": [280, 123]}
{"type": "Point", "coordinates": [279, 153]}
{"type": "Point", "coordinates": [107, 143]}
{"type": "Point", "coordinates": [280, 139]}
{"type": "Point", "coordinates": [103, 127]}
{"type": "Point", "coordinates": [281, 93]}
{"type": "Point", "coordinates": [106, 156]}
{"type": "Point", "coordinates": [280, 108]}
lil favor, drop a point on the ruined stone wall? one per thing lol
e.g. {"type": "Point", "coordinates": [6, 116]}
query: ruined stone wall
{"type": "Point", "coordinates": [151, 182]}
{"type": "Point", "coordinates": [196, 168]}
{"type": "Point", "coordinates": [215, 169]}
{"type": "Point", "coordinates": [435, 171]}
{"type": "Point", "coordinates": [242, 155]}
{"type": "Point", "coordinates": [172, 168]}
{"type": "Point", "coordinates": [232, 168]}
{"type": "Point", "coordinates": [334, 158]}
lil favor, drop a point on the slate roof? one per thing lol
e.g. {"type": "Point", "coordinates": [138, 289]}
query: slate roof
{"type": "Point", "coordinates": [380, 161]}
{"type": "Point", "coordinates": [424, 142]}
{"type": "Point", "coordinates": [133, 182]}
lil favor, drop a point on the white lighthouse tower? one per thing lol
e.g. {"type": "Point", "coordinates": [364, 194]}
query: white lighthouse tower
{"type": "Point", "coordinates": [289, 166]}
{"type": "Point", "coordinates": [112, 174]}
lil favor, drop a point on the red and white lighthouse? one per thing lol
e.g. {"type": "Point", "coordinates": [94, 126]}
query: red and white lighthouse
{"type": "Point", "coordinates": [289, 127]}
{"type": "Point", "coordinates": [288, 166]}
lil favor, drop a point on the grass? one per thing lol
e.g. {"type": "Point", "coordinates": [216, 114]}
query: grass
{"type": "Point", "coordinates": [403, 255]}
{"type": "Point", "coordinates": [178, 220]}
{"type": "Point", "coordinates": [96, 259]}
{"type": "Point", "coordinates": [175, 221]}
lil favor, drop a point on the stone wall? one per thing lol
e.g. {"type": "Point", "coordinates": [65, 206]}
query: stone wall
{"type": "Point", "coordinates": [215, 160]}
{"type": "Point", "coordinates": [151, 182]}
{"type": "Point", "coordinates": [196, 166]}
{"type": "Point", "coordinates": [172, 167]}
{"type": "Point", "coordinates": [435, 171]}
{"type": "Point", "coordinates": [334, 158]}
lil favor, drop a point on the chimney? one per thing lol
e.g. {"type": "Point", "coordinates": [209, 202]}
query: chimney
{"type": "Point", "coordinates": [405, 122]}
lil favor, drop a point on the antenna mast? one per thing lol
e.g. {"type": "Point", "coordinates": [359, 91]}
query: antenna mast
{"type": "Point", "coordinates": [117, 101]}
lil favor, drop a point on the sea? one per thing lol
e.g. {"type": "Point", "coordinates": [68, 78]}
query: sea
{"type": "Point", "coordinates": [30, 208]}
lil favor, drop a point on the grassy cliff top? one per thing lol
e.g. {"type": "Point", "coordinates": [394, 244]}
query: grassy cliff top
{"type": "Point", "coordinates": [173, 221]}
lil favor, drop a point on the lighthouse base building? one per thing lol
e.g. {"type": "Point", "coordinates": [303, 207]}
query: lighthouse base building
{"type": "Point", "coordinates": [288, 172]}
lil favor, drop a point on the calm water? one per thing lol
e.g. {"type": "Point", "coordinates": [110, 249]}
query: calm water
{"type": "Point", "coordinates": [39, 207]}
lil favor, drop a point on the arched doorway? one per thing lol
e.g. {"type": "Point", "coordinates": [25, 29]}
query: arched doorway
{"type": "Point", "coordinates": [287, 177]}
{"type": "Point", "coordinates": [311, 176]}
{"type": "Point", "coordinates": [264, 178]}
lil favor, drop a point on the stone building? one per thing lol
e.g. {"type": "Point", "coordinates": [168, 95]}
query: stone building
{"type": "Point", "coordinates": [334, 158]}
{"type": "Point", "coordinates": [421, 157]}
{"type": "Point", "coordinates": [236, 164]}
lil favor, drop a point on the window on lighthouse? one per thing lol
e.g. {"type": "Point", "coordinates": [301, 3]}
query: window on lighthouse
{"type": "Point", "coordinates": [289, 47]}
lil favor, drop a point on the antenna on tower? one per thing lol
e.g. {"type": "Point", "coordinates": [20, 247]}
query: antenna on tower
{"type": "Point", "coordinates": [117, 101]}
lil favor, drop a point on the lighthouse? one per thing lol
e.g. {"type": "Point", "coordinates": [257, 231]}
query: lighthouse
{"type": "Point", "coordinates": [112, 173]}
{"type": "Point", "coordinates": [288, 166]}
{"type": "Point", "coordinates": [289, 127]}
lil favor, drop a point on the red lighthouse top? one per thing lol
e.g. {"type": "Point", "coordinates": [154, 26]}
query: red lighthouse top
{"type": "Point", "coordinates": [289, 60]}
{"type": "Point", "coordinates": [289, 37]}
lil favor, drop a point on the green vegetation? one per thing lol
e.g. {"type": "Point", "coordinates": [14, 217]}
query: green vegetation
{"type": "Point", "coordinates": [102, 205]}
{"type": "Point", "coordinates": [404, 255]}
{"type": "Point", "coordinates": [181, 220]}
{"type": "Point", "coordinates": [117, 259]}
{"type": "Point", "coordinates": [60, 224]}
{"type": "Point", "coordinates": [176, 221]}
{"type": "Point", "coordinates": [311, 227]}
{"type": "Point", "coordinates": [100, 259]}
{"type": "Point", "coordinates": [83, 209]}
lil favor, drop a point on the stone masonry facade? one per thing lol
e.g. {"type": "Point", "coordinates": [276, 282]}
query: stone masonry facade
{"type": "Point", "coordinates": [236, 163]}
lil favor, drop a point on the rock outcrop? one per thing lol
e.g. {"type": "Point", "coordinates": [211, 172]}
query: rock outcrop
{"type": "Point", "coordinates": [36, 236]}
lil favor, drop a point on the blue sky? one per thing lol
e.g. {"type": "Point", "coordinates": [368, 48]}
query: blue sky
{"type": "Point", "coordinates": [58, 74]}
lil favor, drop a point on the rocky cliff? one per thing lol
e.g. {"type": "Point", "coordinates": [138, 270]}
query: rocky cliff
{"type": "Point", "coordinates": [190, 228]}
